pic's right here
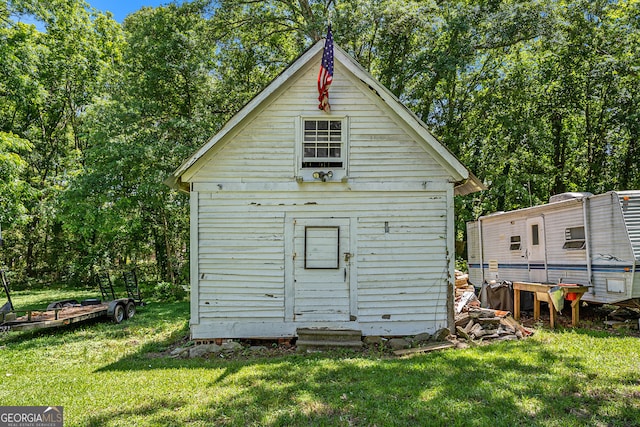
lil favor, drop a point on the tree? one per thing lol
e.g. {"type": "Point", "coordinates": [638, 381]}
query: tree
{"type": "Point", "coordinates": [535, 97]}
{"type": "Point", "coordinates": [51, 78]}
{"type": "Point", "coordinates": [13, 190]}
{"type": "Point", "coordinates": [158, 111]}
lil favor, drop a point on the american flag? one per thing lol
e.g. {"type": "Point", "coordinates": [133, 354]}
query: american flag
{"type": "Point", "coordinates": [325, 76]}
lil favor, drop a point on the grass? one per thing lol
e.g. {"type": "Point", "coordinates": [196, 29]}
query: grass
{"type": "Point", "coordinates": [105, 374]}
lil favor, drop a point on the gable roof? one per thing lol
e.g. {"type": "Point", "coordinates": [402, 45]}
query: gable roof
{"type": "Point", "coordinates": [467, 183]}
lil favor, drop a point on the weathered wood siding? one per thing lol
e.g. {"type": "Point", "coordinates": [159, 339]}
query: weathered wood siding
{"type": "Point", "coordinates": [380, 149]}
{"type": "Point", "coordinates": [240, 260]}
{"type": "Point", "coordinates": [402, 273]}
{"type": "Point", "coordinates": [400, 262]}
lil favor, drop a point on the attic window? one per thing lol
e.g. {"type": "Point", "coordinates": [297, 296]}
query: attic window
{"type": "Point", "coordinates": [322, 143]}
{"type": "Point", "coordinates": [574, 238]}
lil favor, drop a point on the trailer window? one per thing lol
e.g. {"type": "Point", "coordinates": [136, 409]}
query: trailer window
{"type": "Point", "coordinates": [574, 238]}
{"type": "Point", "coordinates": [535, 239]}
{"type": "Point", "coordinates": [515, 243]}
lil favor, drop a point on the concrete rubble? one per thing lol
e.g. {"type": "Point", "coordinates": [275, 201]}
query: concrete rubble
{"type": "Point", "coordinates": [474, 323]}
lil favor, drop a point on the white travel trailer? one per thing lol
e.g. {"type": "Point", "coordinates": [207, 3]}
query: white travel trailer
{"type": "Point", "coordinates": [592, 240]}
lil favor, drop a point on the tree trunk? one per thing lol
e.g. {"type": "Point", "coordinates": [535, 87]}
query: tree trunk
{"type": "Point", "coordinates": [501, 197]}
{"type": "Point", "coordinates": [559, 154]}
{"type": "Point", "coordinates": [30, 261]}
{"type": "Point", "coordinates": [629, 168]}
{"type": "Point", "coordinates": [167, 243]}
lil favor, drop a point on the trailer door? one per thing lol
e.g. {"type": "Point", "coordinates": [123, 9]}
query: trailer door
{"type": "Point", "coordinates": [536, 253]}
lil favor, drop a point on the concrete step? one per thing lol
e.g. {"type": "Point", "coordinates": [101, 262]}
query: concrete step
{"type": "Point", "coordinates": [302, 346]}
{"type": "Point", "coordinates": [324, 338]}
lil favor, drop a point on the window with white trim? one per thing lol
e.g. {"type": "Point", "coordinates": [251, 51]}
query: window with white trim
{"type": "Point", "coordinates": [322, 143]}
{"type": "Point", "coordinates": [322, 148]}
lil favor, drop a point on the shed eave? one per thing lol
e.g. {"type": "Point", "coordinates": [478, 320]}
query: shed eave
{"type": "Point", "coordinates": [470, 185]}
{"type": "Point", "coordinates": [176, 183]}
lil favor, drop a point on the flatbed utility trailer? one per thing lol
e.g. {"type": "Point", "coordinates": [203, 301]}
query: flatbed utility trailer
{"type": "Point", "coordinates": [62, 313]}
{"type": "Point", "coordinates": [116, 310]}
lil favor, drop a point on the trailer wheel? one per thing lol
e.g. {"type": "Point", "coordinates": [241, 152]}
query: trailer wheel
{"type": "Point", "coordinates": [130, 309]}
{"type": "Point", "coordinates": [118, 313]}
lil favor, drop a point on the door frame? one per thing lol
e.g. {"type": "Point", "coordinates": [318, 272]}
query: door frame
{"type": "Point", "coordinates": [536, 253]}
{"type": "Point", "coordinates": [290, 256]}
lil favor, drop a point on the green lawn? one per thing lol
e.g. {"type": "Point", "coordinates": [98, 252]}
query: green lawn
{"type": "Point", "coordinates": [105, 374]}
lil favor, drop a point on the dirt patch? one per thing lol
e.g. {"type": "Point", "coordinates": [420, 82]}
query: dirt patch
{"type": "Point", "coordinates": [606, 318]}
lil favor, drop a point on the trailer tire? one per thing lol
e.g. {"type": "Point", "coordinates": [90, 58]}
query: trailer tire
{"type": "Point", "coordinates": [118, 313]}
{"type": "Point", "coordinates": [130, 309]}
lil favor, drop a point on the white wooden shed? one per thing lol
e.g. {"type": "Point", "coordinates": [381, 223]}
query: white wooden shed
{"type": "Point", "coordinates": [304, 219]}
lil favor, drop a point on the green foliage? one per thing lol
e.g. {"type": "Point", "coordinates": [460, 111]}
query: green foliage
{"type": "Point", "coordinates": [168, 292]}
{"type": "Point", "coordinates": [535, 98]}
{"type": "Point", "coordinates": [13, 190]}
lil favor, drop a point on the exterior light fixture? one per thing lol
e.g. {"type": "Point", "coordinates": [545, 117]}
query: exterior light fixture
{"type": "Point", "coordinates": [324, 176]}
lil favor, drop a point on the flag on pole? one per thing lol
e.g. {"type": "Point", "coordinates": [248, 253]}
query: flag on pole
{"type": "Point", "coordinates": [325, 76]}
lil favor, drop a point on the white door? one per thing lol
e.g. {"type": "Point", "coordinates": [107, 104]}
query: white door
{"type": "Point", "coordinates": [321, 269]}
{"type": "Point", "coordinates": [536, 253]}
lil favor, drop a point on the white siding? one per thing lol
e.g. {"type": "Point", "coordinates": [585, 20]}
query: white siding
{"type": "Point", "coordinates": [240, 263]}
{"type": "Point", "coordinates": [496, 238]}
{"type": "Point", "coordinates": [563, 264]}
{"type": "Point", "coordinates": [630, 206]}
{"type": "Point", "coordinates": [556, 222]}
{"type": "Point", "coordinates": [474, 258]}
{"type": "Point", "coordinates": [401, 274]}
{"type": "Point", "coordinates": [264, 149]}
{"type": "Point", "coordinates": [610, 247]}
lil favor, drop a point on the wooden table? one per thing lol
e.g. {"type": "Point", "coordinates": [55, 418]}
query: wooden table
{"type": "Point", "coordinates": [541, 294]}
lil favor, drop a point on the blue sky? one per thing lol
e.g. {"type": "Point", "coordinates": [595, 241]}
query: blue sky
{"type": "Point", "coordinates": [121, 8]}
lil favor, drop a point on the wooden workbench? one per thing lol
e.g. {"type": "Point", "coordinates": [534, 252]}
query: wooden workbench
{"type": "Point", "coordinates": [541, 294]}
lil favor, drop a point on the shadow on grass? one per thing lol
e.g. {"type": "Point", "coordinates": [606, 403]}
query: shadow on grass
{"type": "Point", "coordinates": [535, 382]}
{"type": "Point", "coordinates": [151, 410]}
{"type": "Point", "coordinates": [505, 384]}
